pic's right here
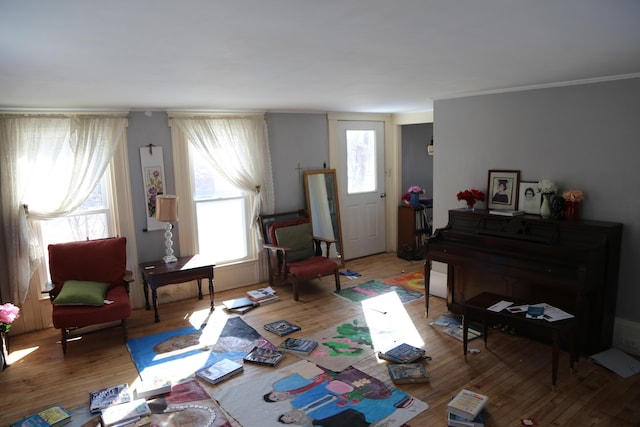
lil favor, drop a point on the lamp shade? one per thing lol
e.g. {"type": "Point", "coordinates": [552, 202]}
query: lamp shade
{"type": "Point", "coordinates": [167, 208]}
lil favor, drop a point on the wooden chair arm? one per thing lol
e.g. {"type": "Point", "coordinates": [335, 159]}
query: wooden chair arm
{"type": "Point", "coordinates": [318, 241]}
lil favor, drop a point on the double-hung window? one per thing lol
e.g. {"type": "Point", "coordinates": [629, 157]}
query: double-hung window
{"type": "Point", "coordinates": [222, 214]}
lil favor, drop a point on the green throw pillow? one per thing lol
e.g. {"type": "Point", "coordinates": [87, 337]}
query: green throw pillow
{"type": "Point", "coordinates": [299, 239]}
{"type": "Point", "coordinates": [78, 292]}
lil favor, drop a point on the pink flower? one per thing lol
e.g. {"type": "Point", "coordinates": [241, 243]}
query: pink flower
{"type": "Point", "coordinates": [8, 313]}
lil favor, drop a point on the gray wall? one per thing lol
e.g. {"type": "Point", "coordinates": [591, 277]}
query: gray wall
{"type": "Point", "coordinates": [417, 164]}
{"type": "Point", "coordinates": [581, 136]}
{"type": "Point", "coordinates": [144, 130]}
{"type": "Point", "coordinates": [295, 141]}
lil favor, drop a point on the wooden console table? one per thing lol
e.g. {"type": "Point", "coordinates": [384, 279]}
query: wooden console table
{"type": "Point", "coordinates": [156, 274]}
{"type": "Point", "coordinates": [476, 307]}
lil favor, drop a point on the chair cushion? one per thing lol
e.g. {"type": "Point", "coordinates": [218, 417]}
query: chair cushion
{"type": "Point", "coordinates": [79, 292]}
{"type": "Point", "coordinates": [299, 239]}
{"type": "Point", "coordinates": [313, 267]}
{"type": "Point", "coordinates": [77, 316]}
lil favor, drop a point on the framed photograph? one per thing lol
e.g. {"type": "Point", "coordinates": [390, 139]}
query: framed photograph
{"type": "Point", "coordinates": [530, 200]}
{"type": "Point", "coordinates": [503, 188]}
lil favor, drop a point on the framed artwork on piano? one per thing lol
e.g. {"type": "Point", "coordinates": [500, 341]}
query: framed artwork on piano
{"type": "Point", "coordinates": [503, 186]}
{"type": "Point", "coordinates": [530, 199]}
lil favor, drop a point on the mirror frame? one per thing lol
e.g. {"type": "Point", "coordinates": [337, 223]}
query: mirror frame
{"type": "Point", "coordinates": [335, 220]}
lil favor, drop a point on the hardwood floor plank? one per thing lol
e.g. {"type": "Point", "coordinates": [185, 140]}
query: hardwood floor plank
{"type": "Point", "coordinates": [514, 371]}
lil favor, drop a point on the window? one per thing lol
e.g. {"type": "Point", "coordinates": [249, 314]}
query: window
{"type": "Point", "coordinates": [221, 212]}
{"type": "Point", "coordinates": [361, 161]}
{"type": "Point", "coordinates": [94, 219]}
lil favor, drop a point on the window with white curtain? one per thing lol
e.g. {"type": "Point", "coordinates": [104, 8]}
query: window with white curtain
{"type": "Point", "coordinates": [221, 212]}
{"type": "Point", "coordinates": [94, 219]}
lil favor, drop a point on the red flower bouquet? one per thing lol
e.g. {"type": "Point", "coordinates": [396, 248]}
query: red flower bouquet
{"type": "Point", "coordinates": [471, 197]}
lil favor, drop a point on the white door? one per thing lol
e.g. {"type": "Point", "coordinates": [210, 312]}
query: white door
{"type": "Point", "coordinates": [361, 181]}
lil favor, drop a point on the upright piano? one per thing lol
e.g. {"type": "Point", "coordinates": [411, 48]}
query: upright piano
{"type": "Point", "coordinates": [572, 265]}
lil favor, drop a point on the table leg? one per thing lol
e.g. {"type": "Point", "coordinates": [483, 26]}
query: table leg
{"type": "Point", "coordinates": [145, 289]}
{"type": "Point", "coordinates": [427, 285]}
{"type": "Point", "coordinates": [465, 331]}
{"type": "Point", "coordinates": [199, 288]}
{"type": "Point", "coordinates": [555, 351]}
{"type": "Point", "coordinates": [154, 295]}
{"type": "Point", "coordinates": [211, 293]}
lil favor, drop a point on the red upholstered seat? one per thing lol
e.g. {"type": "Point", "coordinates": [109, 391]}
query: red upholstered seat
{"type": "Point", "coordinates": [281, 263]}
{"type": "Point", "coordinates": [102, 260]}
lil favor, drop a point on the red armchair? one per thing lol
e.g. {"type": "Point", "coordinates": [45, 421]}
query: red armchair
{"type": "Point", "coordinates": [294, 253]}
{"type": "Point", "coordinates": [91, 264]}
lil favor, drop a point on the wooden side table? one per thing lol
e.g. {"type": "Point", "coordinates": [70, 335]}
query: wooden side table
{"type": "Point", "coordinates": [156, 274]}
{"type": "Point", "coordinates": [476, 307]}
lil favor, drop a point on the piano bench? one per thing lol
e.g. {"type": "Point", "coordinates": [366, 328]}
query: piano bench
{"type": "Point", "coordinates": [477, 308]}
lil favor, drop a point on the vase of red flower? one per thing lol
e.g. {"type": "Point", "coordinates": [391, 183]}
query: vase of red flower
{"type": "Point", "coordinates": [471, 197]}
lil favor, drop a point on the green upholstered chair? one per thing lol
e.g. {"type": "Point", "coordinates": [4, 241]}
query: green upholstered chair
{"type": "Point", "coordinates": [294, 254]}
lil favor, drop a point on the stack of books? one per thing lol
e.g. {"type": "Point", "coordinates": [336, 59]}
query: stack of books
{"type": "Point", "coordinates": [467, 409]}
{"type": "Point", "coordinates": [263, 295]}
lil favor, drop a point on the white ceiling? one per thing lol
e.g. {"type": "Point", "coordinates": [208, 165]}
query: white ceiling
{"type": "Point", "coordinates": [393, 56]}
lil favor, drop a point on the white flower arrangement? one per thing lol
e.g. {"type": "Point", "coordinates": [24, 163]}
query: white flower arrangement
{"type": "Point", "coordinates": [547, 187]}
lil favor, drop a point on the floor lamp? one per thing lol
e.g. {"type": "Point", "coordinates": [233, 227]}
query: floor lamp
{"type": "Point", "coordinates": [167, 211]}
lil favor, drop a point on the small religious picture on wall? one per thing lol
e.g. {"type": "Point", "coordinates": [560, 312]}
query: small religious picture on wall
{"type": "Point", "coordinates": [152, 162]}
{"type": "Point", "coordinates": [503, 188]}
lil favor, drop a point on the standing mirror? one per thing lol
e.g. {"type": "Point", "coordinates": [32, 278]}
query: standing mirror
{"type": "Point", "coordinates": [321, 190]}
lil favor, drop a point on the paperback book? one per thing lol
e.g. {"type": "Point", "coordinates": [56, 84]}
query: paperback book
{"type": "Point", "coordinates": [261, 294]}
{"type": "Point", "coordinates": [282, 327]}
{"type": "Point", "coordinates": [238, 303]}
{"type": "Point", "coordinates": [407, 373]}
{"type": "Point", "coordinates": [125, 413]}
{"type": "Point", "coordinates": [467, 404]}
{"type": "Point", "coordinates": [153, 387]}
{"type": "Point", "coordinates": [113, 395]}
{"type": "Point", "coordinates": [264, 356]}
{"type": "Point", "coordinates": [50, 417]}
{"type": "Point", "coordinates": [220, 371]}
{"type": "Point", "coordinates": [458, 421]}
{"type": "Point", "coordinates": [456, 332]}
{"type": "Point", "coordinates": [403, 353]}
{"type": "Point", "coordinates": [299, 346]}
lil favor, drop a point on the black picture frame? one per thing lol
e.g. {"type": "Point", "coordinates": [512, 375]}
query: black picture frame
{"type": "Point", "coordinates": [503, 186]}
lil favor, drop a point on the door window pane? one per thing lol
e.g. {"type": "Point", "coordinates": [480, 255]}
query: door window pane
{"type": "Point", "coordinates": [361, 161]}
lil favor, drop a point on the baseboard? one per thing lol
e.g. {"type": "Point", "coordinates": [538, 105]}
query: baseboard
{"type": "Point", "coordinates": [626, 336]}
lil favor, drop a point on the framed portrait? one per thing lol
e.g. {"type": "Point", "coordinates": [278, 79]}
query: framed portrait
{"type": "Point", "coordinates": [503, 188]}
{"type": "Point", "coordinates": [529, 198]}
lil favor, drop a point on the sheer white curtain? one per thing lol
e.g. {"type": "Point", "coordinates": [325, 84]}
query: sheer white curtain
{"type": "Point", "coordinates": [238, 148]}
{"type": "Point", "coordinates": [40, 156]}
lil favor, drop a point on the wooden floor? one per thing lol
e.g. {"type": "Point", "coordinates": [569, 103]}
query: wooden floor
{"type": "Point", "coordinates": [515, 372]}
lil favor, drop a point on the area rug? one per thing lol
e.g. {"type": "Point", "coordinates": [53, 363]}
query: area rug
{"type": "Point", "coordinates": [188, 405]}
{"type": "Point", "coordinates": [342, 345]}
{"type": "Point", "coordinates": [306, 394]}
{"type": "Point", "coordinates": [374, 288]}
{"type": "Point", "coordinates": [178, 353]}
{"type": "Point", "coordinates": [410, 281]}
